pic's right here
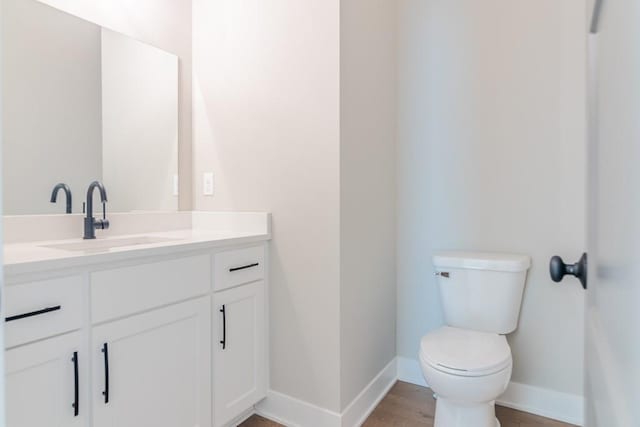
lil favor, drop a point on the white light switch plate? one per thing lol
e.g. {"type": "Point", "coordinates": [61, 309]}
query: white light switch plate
{"type": "Point", "coordinates": [207, 184]}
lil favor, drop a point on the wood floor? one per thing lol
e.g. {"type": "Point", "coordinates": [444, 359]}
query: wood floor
{"type": "Point", "coordinates": [408, 405]}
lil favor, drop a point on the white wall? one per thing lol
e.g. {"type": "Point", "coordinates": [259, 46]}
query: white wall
{"type": "Point", "coordinates": [491, 156]}
{"type": "Point", "coordinates": [165, 24]}
{"type": "Point", "coordinates": [53, 130]}
{"type": "Point", "coordinates": [2, 365]}
{"type": "Point", "coordinates": [295, 114]}
{"type": "Point", "coordinates": [266, 122]}
{"type": "Point", "coordinates": [367, 191]}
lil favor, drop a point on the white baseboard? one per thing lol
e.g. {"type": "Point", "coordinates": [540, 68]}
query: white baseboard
{"type": "Point", "coordinates": [535, 400]}
{"type": "Point", "coordinates": [293, 412]}
{"type": "Point", "coordinates": [544, 402]}
{"type": "Point", "coordinates": [241, 418]}
{"type": "Point", "coordinates": [364, 403]}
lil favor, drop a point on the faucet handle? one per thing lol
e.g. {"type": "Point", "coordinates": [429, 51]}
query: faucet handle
{"type": "Point", "coordinates": [101, 224]}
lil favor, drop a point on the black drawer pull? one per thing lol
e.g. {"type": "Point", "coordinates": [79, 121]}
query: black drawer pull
{"type": "Point", "coordinates": [244, 267]}
{"type": "Point", "coordinates": [76, 380]}
{"type": "Point", "coordinates": [223, 310]}
{"type": "Point", "coordinates": [33, 313]}
{"type": "Point", "coordinates": [105, 393]}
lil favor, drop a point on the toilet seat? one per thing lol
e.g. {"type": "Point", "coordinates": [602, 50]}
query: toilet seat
{"type": "Point", "coordinates": [464, 352]}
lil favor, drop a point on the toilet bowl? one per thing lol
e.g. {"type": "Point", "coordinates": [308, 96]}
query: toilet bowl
{"type": "Point", "coordinates": [467, 370]}
{"type": "Point", "coordinates": [468, 362]}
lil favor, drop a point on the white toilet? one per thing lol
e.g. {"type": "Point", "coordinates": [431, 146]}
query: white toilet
{"type": "Point", "coordinates": [467, 363]}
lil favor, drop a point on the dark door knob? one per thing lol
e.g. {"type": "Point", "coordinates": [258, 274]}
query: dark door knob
{"type": "Point", "coordinates": [559, 269]}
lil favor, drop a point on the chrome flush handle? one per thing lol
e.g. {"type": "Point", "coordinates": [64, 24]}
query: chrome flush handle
{"type": "Point", "coordinates": [442, 273]}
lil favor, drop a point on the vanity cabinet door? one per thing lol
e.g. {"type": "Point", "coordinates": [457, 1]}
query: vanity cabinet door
{"type": "Point", "coordinates": [154, 369]}
{"type": "Point", "coordinates": [45, 382]}
{"type": "Point", "coordinates": [239, 374]}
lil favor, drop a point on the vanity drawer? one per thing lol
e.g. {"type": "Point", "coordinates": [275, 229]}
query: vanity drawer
{"type": "Point", "coordinates": [128, 290]}
{"type": "Point", "coordinates": [37, 310]}
{"type": "Point", "coordinates": [233, 268]}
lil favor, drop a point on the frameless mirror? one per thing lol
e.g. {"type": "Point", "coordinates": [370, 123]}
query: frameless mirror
{"type": "Point", "coordinates": [83, 103]}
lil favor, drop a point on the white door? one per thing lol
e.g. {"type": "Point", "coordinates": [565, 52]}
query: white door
{"type": "Point", "coordinates": [239, 374]}
{"type": "Point", "coordinates": [154, 369]}
{"type": "Point", "coordinates": [613, 293]}
{"type": "Point", "coordinates": [46, 383]}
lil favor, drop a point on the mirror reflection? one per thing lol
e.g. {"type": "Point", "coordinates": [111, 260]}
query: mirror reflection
{"type": "Point", "coordinates": [83, 103]}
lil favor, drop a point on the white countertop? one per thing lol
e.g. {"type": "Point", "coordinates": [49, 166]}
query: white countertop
{"type": "Point", "coordinates": [37, 256]}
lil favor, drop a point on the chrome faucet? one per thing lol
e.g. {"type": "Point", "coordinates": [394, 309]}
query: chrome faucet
{"type": "Point", "coordinates": [67, 192]}
{"type": "Point", "coordinates": [90, 223]}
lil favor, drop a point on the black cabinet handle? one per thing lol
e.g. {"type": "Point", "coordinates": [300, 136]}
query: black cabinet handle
{"type": "Point", "coordinates": [32, 313]}
{"type": "Point", "coordinates": [105, 393]}
{"type": "Point", "coordinates": [76, 392]}
{"type": "Point", "coordinates": [223, 310]}
{"type": "Point", "coordinates": [244, 267]}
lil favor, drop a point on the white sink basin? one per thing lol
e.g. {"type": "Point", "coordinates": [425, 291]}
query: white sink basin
{"type": "Point", "coordinates": [100, 245]}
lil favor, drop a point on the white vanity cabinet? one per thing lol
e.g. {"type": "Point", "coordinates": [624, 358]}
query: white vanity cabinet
{"type": "Point", "coordinates": [45, 383]}
{"type": "Point", "coordinates": [154, 369]}
{"type": "Point", "coordinates": [143, 342]}
{"type": "Point", "coordinates": [239, 350]}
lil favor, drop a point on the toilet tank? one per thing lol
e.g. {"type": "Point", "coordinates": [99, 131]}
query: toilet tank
{"type": "Point", "coordinates": [481, 291]}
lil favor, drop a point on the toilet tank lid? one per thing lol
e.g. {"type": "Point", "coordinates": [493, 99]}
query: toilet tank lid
{"type": "Point", "coordinates": [482, 261]}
